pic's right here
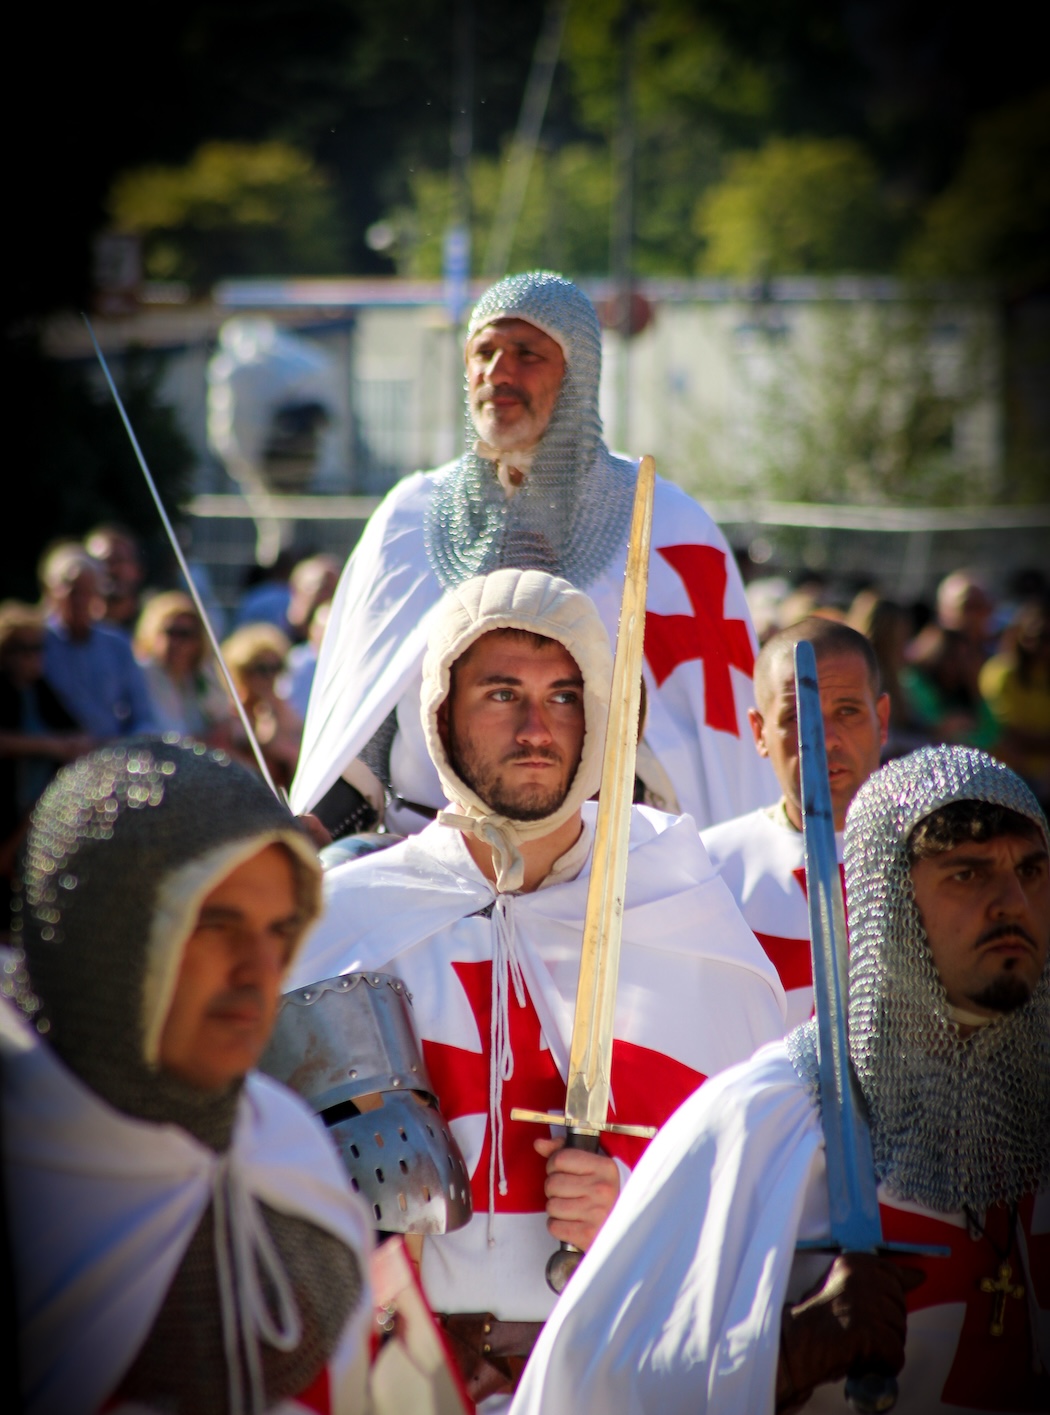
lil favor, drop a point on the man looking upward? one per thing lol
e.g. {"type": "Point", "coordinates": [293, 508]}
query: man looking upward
{"type": "Point", "coordinates": [536, 488]}
{"type": "Point", "coordinates": [481, 916]}
{"type": "Point", "coordinates": [760, 855]}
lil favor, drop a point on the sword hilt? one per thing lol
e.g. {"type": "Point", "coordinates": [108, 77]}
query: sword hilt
{"type": "Point", "coordinates": [562, 1264]}
{"type": "Point", "coordinates": [871, 1390]}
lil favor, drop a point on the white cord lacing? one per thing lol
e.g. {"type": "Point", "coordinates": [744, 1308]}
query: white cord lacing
{"type": "Point", "coordinates": [505, 970]}
{"type": "Point", "coordinates": [245, 1253]}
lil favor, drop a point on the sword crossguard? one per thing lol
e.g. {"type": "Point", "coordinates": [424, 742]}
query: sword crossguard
{"type": "Point", "coordinates": [583, 1127]}
{"type": "Point", "coordinates": [882, 1250]}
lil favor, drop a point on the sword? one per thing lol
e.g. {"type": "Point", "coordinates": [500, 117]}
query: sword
{"type": "Point", "coordinates": [590, 1051]}
{"type": "Point", "coordinates": [853, 1202]}
{"type": "Point", "coordinates": [253, 741]}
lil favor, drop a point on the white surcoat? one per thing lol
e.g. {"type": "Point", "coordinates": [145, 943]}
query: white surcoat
{"type": "Point", "coordinates": [695, 994]}
{"type": "Point", "coordinates": [699, 658]}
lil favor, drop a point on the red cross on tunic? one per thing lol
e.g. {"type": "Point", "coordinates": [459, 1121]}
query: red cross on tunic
{"type": "Point", "coordinates": [671, 639]}
{"type": "Point", "coordinates": [793, 957]}
{"type": "Point", "coordinates": [647, 1086]}
{"type": "Point", "coordinates": [988, 1372]}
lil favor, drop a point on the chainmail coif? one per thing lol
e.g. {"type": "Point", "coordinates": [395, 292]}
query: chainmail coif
{"type": "Point", "coordinates": [957, 1122]}
{"type": "Point", "coordinates": [573, 512]}
{"type": "Point", "coordinates": [104, 837]}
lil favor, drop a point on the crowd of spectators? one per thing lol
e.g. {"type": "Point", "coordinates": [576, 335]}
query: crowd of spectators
{"type": "Point", "coordinates": [102, 656]}
{"type": "Point", "coordinates": [969, 669]}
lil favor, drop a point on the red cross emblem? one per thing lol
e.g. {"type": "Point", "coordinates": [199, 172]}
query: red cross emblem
{"type": "Point", "coordinates": [793, 957]}
{"type": "Point", "coordinates": [647, 1087]}
{"type": "Point", "coordinates": [989, 1372]}
{"type": "Point", "coordinates": [671, 639]}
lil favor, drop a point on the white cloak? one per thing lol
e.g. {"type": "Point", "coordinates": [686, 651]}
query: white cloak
{"type": "Point", "coordinates": [676, 1308]}
{"type": "Point", "coordinates": [762, 860]}
{"type": "Point", "coordinates": [101, 1209]}
{"type": "Point", "coordinates": [695, 995]}
{"type": "Point", "coordinates": [697, 718]}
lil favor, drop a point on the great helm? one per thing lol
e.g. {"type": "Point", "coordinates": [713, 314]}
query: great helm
{"type": "Point", "coordinates": [348, 1046]}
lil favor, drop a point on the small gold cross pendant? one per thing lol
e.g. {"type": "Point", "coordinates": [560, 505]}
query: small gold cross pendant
{"type": "Point", "coordinates": [1001, 1290]}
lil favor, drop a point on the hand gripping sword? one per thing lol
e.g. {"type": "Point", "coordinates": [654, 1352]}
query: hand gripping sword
{"type": "Point", "coordinates": [253, 741]}
{"type": "Point", "coordinates": [590, 1051]}
{"type": "Point", "coordinates": [852, 1193]}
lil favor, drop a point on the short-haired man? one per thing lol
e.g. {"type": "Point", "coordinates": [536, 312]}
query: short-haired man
{"type": "Point", "coordinates": [694, 1298]}
{"type": "Point", "coordinates": [481, 915]}
{"type": "Point", "coordinates": [115, 549]}
{"type": "Point", "coordinates": [88, 665]}
{"type": "Point", "coordinates": [183, 1237]}
{"type": "Point", "coordinates": [537, 488]}
{"type": "Point", "coordinates": [760, 854]}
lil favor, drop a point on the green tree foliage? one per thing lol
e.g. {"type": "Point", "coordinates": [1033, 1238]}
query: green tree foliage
{"type": "Point", "coordinates": [993, 219]}
{"type": "Point", "coordinates": [796, 206]}
{"type": "Point", "coordinates": [564, 221]}
{"type": "Point", "coordinates": [79, 469]}
{"type": "Point", "coordinates": [233, 209]}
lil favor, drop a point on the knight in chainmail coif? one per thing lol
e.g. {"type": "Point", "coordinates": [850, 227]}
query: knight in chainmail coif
{"type": "Point", "coordinates": [184, 1239]}
{"type": "Point", "coordinates": [948, 897]}
{"type": "Point", "coordinates": [536, 489]}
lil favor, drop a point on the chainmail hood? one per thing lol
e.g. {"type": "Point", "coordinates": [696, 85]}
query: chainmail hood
{"type": "Point", "coordinates": [123, 847]}
{"type": "Point", "coordinates": [957, 1122]}
{"type": "Point", "coordinates": [573, 512]}
{"type": "Point", "coordinates": [542, 604]}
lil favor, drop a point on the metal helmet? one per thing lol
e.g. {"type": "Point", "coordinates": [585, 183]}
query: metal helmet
{"type": "Point", "coordinates": [348, 1046]}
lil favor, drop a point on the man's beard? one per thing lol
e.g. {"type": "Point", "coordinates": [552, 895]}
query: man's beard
{"type": "Point", "coordinates": [1006, 993]}
{"type": "Point", "coordinates": [524, 434]}
{"type": "Point", "coordinates": [531, 801]}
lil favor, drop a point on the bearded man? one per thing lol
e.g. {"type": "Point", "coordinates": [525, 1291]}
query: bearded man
{"type": "Point", "coordinates": [536, 489]}
{"type": "Point", "coordinates": [693, 1299]}
{"type": "Point", "coordinates": [760, 855]}
{"type": "Point", "coordinates": [481, 916]}
{"type": "Point", "coordinates": [184, 1239]}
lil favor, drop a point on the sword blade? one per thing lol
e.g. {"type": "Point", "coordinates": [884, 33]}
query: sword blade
{"type": "Point", "coordinates": [253, 741]}
{"type": "Point", "coordinates": [590, 1051]}
{"type": "Point", "coordinates": [852, 1196]}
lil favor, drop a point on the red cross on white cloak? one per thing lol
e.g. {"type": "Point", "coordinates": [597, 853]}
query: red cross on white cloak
{"type": "Point", "coordinates": [647, 1085]}
{"type": "Point", "coordinates": [706, 634]}
{"type": "Point", "coordinates": [988, 1372]}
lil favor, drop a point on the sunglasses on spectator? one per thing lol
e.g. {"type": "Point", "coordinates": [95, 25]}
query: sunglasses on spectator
{"type": "Point", "coordinates": [269, 669]}
{"type": "Point", "coordinates": [181, 631]}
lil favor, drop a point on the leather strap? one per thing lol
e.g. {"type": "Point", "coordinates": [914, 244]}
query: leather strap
{"type": "Point", "coordinates": [490, 1354]}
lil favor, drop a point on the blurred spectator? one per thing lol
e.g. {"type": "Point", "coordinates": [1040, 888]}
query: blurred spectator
{"type": "Point", "coordinates": [964, 606]}
{"type": "Point", "coordinates": [887, 627]}
{"type": "Point", "coordinates": [940, 680]}
{"type": "Point", "coordinates": [176, 660]}
{"type": "Point", "coordinates": [255, 656]}
{"type": "Point", "coordinates": [89, 666]}
{"type": "Point", "coordinates": [295, 683]}
{"type": "Point", "coordinates": [312, 583]}
{"type": "Point", "coordinates": [267, 594]}
{"type": "Point", "coordinates": [116, 550]}
{"type": "Point", "coordinates": [764, 598]}
{"type": "Point", "coordinates": [36, 733]}
{"type": "Point", "coordinates": [1015, 683]}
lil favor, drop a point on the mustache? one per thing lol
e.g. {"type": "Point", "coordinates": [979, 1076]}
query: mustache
{"type": "Point", "coordinates": [505, 390]}
{"type": "Point", "coordinates": [1012, 931]}
{"type": "Point", "coordinates": [528, 754]}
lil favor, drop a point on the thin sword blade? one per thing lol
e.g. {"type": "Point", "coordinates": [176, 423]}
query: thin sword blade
{"type": "Point", "coordinates": [855, 1222]}
{"type": "Point", "coordinates": [177, 548]}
